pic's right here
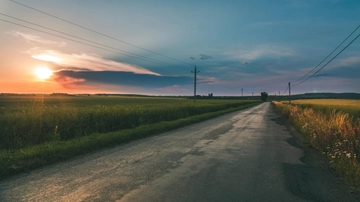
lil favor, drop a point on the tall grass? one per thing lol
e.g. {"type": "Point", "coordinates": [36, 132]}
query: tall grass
{"type": "Point", "coordinates": [351, 107]}
{"type": "Point", "coordinates": [31, 120]}
{"type": "Point", "coordinates": [334, 133]}
{"type": "Point", "coordinates": [49, 130]}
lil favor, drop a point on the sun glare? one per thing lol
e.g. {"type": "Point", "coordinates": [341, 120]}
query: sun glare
{"type": "Point", "coordinates": [43, 73]}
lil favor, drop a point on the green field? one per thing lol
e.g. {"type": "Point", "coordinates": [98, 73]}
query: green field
{"type": "Point", "coordinates": [333, 127]}
{"type": "Point", "coordinates": [40, 130]}
{"type": "Point", "coordinates": [29, 120]}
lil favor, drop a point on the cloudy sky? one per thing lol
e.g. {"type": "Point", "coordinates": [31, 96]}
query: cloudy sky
{"type": "Point", "coordinates": [152, 46]}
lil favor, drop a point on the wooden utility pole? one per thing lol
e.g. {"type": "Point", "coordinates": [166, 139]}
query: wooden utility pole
{"type": "Point", "coordinates": [195, 72]}
{"type": "Point", "coordinates": [242, 92]}
{"type": "Point", "coordinates": [289, 93]}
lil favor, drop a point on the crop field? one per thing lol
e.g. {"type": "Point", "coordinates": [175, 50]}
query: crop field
{"type": "Point", "coordinates": [351, 107]}
{"type": "Point", "coordinates": [332, 102]}
{"type": "Point", "coordinates": [30, 120]}
{"type": "Point", "coordinates": [333, 127]}
{"type": "Point", "coordinates": [41, 130]}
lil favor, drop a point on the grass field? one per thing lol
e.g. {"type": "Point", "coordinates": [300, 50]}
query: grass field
{"type": "Point", "coordinates": [351, 107]}
{"type": "Point", "coordinates": [32, 120]}
{"type": "Point", "coordinates": [332, 102]}
{"type": "Point", "coordinates": [333, 127]}
{"type": "Point", "coordinates": [39, 130]}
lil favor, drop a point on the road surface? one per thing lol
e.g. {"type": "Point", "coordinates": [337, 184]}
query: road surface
{"type": "Point", "coordinates": [247, 155]}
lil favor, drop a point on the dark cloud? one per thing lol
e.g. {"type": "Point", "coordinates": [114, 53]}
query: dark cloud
{"type": "Point", "coordinates": [192, 58]}
{"type": "Point", "coordinates": [66, 77]}
{"type": "Point", "coordinates": [59, 68]}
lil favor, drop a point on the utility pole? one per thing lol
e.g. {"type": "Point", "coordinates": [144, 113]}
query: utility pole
{"type": "Point", "coordinates": [195, 72]}
{"type": "Point", "coordinates": [242, 92]}
{"type": "Point", "coordinates": [289, 93]}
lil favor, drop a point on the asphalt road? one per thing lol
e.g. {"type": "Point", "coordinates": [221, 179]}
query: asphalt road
{"type": "Point", "coordinates": [242, 156]}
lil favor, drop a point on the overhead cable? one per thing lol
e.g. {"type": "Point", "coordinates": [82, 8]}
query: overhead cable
{"type": "Point", "coordinates": [95, 46]}
{"type": "Point", "coordinates": [97, 32]}
{"type": "Point", "coordinates": [328, 55]}
{"type": "Point", "coordinates": [328, 61]}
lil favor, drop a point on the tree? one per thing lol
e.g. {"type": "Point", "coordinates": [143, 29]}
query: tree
{"type": "Point", "coordinates": [264, 96]}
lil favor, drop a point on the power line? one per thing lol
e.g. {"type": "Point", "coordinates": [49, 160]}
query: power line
{"type": "Point", "coordinates": [326, 56]}
{"type": "Point", "coordinates": [131, 55]}
{"type": "Point", "coordinates": [205, 73]}
{"type": "Point", "coordinates": [137, 57]}
{"type": "Point", "coordinates": [117, 50]}
{"type": "Point", "coordinates": [94, 31]}
{"type": "Point", "coordinates": [102, 34]}
{"type": "Point", "coordinates": [228, 87]}
{"type": "Point", "coordinates": [126, 52]}
{"type": "Point", "coordinates": [146, 58]}
{"type": "Point", "coordinates": [287, 87]}
{"type": "Point", "coordinates": [329, 61]}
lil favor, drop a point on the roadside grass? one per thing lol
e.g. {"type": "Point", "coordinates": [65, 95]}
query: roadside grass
{"type": "Point", "coordinates": [26, 158]}
{"type": "Point", "coordinates": [331, 130]}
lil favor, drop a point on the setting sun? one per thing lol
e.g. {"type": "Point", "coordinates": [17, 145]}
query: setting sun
{"type": "Point", "coordinates": [43, 73]}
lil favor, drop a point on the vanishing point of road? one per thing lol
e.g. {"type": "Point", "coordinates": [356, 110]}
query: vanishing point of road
{"type": "Point", "coordinates": [249, 155]}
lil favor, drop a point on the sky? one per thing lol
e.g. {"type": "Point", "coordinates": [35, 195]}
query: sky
{"type": "Point", "coordinates": [152, 46]}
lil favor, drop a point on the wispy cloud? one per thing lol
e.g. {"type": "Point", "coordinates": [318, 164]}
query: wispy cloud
{"type": "Point", "coordinates": [175, 89]}
{"type": "Point", "coordinates": [75, 61]}
{"type": "Point", "coordinates": [321, 75]}
{"type": "Point", "coordinates": [204, 57]}
{"type": "Point", "coordinates": [350, 61]}
{"type": "Point", "coordinates": [36, 39]}
{"type": "Point", "coordinates": [83, 61]}
{"type": "Point", "coordinates": [201, 57]}
{"type": "Point", "coordinates": [259, 52]}
{"type": "Point", "coordinates": [208, 80]}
